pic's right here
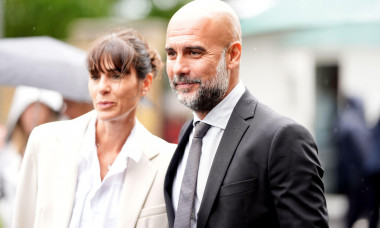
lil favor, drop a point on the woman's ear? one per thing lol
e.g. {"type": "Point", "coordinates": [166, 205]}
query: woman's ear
{"type": "Point", "coordinates": [233, 55]}
{"type": "Point", "coordinates": [147, 83]}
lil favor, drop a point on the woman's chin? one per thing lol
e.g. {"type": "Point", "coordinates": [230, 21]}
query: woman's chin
{"type": "Point", "coordinates": [106, 116]}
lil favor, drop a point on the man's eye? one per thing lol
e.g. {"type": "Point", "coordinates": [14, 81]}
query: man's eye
{"type": "Point", "coordinates": [170, 53]}
{"type": "Point", "coordinates": [194, 53]}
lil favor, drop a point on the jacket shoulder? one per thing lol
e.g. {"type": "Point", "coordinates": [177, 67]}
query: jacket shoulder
{"type": "Point", "coordinates": [63, 126]}
{"type": "Point", "coordinates": [271, 119]}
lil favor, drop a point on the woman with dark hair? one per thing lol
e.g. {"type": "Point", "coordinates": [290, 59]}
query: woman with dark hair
{"type": "Point", "coordinates": [103, 169]}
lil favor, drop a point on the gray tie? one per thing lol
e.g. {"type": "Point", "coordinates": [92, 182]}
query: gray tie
{"type": "Point", "coordinates": [186, 196]}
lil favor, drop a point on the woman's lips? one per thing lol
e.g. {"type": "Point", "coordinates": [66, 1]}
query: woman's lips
{"type": "Point", "coordinates": [105, 104]}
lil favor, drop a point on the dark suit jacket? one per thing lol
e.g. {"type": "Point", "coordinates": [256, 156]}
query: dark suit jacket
{"type": "Point", "coordinates": [265, 173]}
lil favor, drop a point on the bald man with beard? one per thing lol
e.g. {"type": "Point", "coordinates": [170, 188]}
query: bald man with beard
{"type": "Point", "coordinates": [257, 168]}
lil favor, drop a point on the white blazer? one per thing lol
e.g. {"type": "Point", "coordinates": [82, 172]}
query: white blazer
{"type": "Point", "coordinates": [48, 178]}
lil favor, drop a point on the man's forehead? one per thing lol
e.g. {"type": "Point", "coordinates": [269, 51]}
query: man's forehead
{"type": "Point", "coordinates": [181, 39]}
{"type": "Point", "coordinates": [197, 32]}
{"type": "Point", "coordinates": [180, 43]}
{"type": "Point", "coordinates": [190, 26]}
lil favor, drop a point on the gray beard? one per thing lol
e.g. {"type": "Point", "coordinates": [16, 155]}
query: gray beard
{"type": "Point", "coordinates": [210, 92]}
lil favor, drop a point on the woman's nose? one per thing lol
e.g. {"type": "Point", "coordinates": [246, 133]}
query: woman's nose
{"type": "Point", "coordinates": [104, 85]}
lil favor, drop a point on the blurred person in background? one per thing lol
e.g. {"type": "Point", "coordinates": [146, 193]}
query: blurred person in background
{"type": "Point", "coordinates": [30, 108]}
{"type": "Point", "coordinates": [353, 139]}
{"type": "Point", "coordinates": [104, 168]}
{"type": "Point", "coordinates": [3, 133]}
{"type": "Point", "coordinates": [373, 172]}
{"type": "Point", "coordinates": [74, 109]}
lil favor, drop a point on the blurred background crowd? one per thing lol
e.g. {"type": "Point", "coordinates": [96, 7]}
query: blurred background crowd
{"type": "Point", "coordinates": [317, 61]}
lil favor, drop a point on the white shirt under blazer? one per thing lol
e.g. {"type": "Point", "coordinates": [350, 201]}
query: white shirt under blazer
{"type": "Point", "coordinates": [49, 174]}
{"type": "Point", "coordinates": [97, 202]}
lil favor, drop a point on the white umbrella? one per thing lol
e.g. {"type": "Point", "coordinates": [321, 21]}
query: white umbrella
{"type": "Point", "coordinates": [44, 62]}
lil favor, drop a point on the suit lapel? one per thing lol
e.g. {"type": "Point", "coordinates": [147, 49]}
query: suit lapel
{"type": "Point", "coordinates": [172, 169]}
{"type": "Point", "coordinates": [137, 183]}
{"type": "Point", "coordinates": [231, 138]}
{"type": "Point", "coordinates": [67, 172]}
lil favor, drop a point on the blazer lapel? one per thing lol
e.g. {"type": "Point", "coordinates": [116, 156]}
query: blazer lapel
{"type": "Point", "coordinates": [67, 171]}
{"type": "Point", "coordinates": [231, 138]}
{"type": "Point", "coordinates": [137, 183]}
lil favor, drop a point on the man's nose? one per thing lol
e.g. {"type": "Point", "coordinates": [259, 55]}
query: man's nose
{"type": "Point", "coordinates": [181, 66]}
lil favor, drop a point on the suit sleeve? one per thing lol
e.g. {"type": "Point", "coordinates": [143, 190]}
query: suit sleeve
{"type": "Point", "coordinates": [25, 203]}
{"type": "Point", "coordinates": [295, 177]}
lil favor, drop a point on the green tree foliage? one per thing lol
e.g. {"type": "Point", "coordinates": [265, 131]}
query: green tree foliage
{"type": "Point", "coordinates": [49, 17]}
{"type": "Point", "coordinates": [52, 17]}
{"type": "Point", "coordinates": [167, 14]}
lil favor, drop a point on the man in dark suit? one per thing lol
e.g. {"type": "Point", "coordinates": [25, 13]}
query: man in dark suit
{"type": "Point", "coordinates": [257, 168]}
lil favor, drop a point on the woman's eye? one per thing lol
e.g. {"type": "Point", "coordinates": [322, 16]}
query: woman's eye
{"type": "Point", "coordinates": [94, 76]}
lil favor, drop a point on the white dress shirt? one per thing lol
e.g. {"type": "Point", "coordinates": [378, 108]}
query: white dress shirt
{"type": "Point", "coordinates": [218, 118]}
{"type": "Point", "coordinates": [96, 202]}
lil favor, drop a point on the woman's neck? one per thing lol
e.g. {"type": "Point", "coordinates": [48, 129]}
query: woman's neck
{"type": "Point", "coordinates": [110, 138]}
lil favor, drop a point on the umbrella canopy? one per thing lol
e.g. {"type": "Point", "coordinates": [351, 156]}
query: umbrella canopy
{"type": "Point", "coordinates": [44, 62]}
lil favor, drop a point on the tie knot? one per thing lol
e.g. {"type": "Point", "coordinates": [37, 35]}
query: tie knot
{"type": "Point", "coordinates": [200, 129]}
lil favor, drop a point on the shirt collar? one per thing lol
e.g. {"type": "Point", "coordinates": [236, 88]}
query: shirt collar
{"type": "Point", "coordinates": [132, 147]}
{"type": "Point", "coordinates": [220, 114]}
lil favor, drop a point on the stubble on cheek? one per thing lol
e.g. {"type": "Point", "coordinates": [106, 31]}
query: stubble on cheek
{"type": "Point", "coordinates": [185, 95]}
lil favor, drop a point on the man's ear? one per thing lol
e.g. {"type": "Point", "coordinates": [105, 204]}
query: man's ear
{"type": "Point", "coordinates": [147, 83]}
{"type": "Point", "coordinates": [233, 55]}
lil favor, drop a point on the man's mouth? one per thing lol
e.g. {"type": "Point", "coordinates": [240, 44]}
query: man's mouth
{"type": "Point", "coordinates": [185, 82]}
